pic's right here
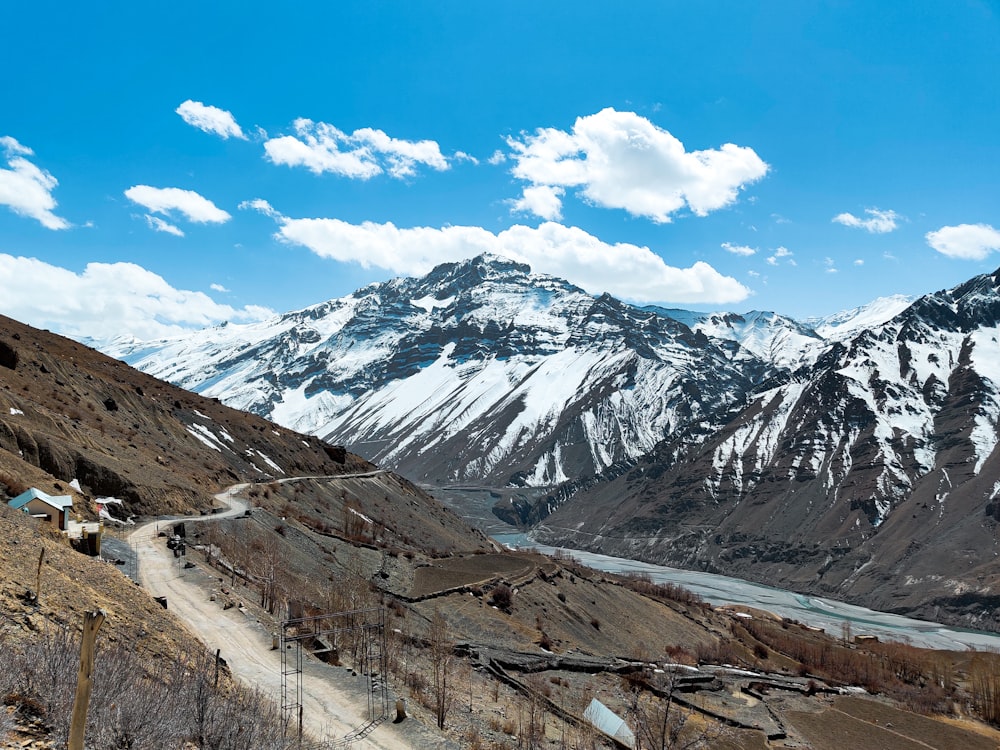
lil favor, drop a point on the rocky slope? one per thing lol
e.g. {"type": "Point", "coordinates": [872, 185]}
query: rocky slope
{"type": "Point", "coordinates": [72, 417]}
{"type": "Point", "coordinates": [871, 474]}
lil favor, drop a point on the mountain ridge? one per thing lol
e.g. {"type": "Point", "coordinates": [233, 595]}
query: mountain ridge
{"type": "Point", "coordinates": [534, 379]}
{"type": "Point", "coordinates": [871, 475]}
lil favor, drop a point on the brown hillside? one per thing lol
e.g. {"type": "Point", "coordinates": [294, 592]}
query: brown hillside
{"type": "Point", "coordinates": [77, 414]}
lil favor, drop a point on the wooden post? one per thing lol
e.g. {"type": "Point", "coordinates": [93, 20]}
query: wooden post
{"type": "Point", "coordinates": [38, 578]}
{"type": "Point", "coordinates": [92, 622]}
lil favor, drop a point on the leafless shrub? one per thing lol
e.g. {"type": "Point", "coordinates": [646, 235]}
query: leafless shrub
{"type": "Point", "coordinates": [659, 723]}
{"type": "Point", "coordinates": [502, 596]}
{"type": "Point", "coordinates": [642, 583]}
{"type": "Point", "coordinates": [985, 688]}
{"type": "Point", "coordinates": [134, 704]}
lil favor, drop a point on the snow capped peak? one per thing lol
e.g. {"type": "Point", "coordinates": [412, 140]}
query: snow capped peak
{"type": "Point", "coordinates": [766, 335]}
{"type": "Point", "coordinates": [846, 324]}
{"type": "Point", "coordinates": [479, 368]}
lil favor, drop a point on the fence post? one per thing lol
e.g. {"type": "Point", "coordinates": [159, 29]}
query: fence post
{"type": "Point", "coordinates": [92, 622]}
{"type": "Point", "coordinates": [38, 578]}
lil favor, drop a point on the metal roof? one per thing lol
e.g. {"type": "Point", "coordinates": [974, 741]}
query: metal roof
{"type": "Point", "coordinates": [61, 502]}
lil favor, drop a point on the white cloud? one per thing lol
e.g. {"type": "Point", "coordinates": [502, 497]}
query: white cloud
{"type": "Point", "coordinates": [753, 274]}
{"type": "Point", "coordinates": [778, 254]}
{"type": "Point", "coordinates": [159, 225]}
{"type": "Point", "coordinates": [363, 154]}
{"type": "Point", "coordinates": [878, 221]}
{"type": "Point", "coordinates": [25, 188]}
{"type": "Point", "coordinates": [966, 241]}
{"type": "Point", "coordinates": [498, 157]}
{"type": "Point", "coordinates": [462, 156]}
{"type": "Point", "coordinates": [187, 202]}
{"type": "Point", "coordinates": [831, 266]}
{"type": "Point", "coordinates": [541, 200]}
{"type": "Point", "coordinates": [218, 288]}
{"type": "Point", "coordinates": [859, 262]}
{"type": "Point", "coordinates": [106, 300]}
{"type": "Point", "coordinates": [738, 249]}
{"type": "Point", "coordinates": [622, 160]}
{"type": "Point", "coordinates": [628, 271]}
{"type": "Point", "coordinates": [262, 206]}
{"type": "Point", "coordinates": [210, 119]}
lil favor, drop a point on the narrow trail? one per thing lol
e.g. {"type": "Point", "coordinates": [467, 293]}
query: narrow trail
{"type": "Point", "coordinates": [329, 711]}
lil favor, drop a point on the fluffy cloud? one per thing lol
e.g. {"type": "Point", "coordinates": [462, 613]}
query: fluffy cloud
{"type": "Point", "coordinates": [624, 270]}
{"type": "Point", "coordinates": [622, 160]}
{"type": "Point", "coordinates": [187, 202]}
{"type": "Point", "coordinates": [878, 221]}
{"type": "Point", "coordinates": [210, 119]}
{"type": "Point", "coordinates": [25, 188]}
{"type": "Point", "coordinates": [107, 300]}
{"type": "Point", "coordinates": [540, 200]}
{"type": "Point", "coordinates": [966, 241]}
{"type": "Point", "coordinates": [738, 249]}
{"type": "Point", "coordinates": [363, 154]}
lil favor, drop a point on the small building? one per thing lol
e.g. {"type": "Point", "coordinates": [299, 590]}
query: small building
{"type": "Point", "coordinates": [53, 508]}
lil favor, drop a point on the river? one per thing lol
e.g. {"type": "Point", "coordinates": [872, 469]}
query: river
{"type": "Point", "coordinates": [816, 611]}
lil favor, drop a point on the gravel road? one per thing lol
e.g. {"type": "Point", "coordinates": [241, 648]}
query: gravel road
{"type": "Point", "coordinates": [329, 711]}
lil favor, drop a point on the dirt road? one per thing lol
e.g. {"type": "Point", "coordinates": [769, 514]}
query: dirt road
{"type": "Point", "coordinates": [245, 644]}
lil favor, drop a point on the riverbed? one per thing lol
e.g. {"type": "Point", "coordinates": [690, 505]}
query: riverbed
{"type": "Point", "coordinates": [812, 610]}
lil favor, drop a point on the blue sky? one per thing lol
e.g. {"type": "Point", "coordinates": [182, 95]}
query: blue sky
{"type": "Point", "coordinates": [174, 165]}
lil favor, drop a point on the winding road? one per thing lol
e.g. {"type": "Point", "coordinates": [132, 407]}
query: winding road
{"type": "Point", "coordinates": [329, 711]}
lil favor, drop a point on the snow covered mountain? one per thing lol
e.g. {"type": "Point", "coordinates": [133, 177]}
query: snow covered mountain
{"type": "Point", "coordinates": [847, 324]}
{"type": "Point", "coordinates": [785, 342]}
{"type": "Point", "coordinates": [765, 335]}
{"type": "Point", "coordinates": [872, 473]}
{"type": "Point", "coordinates": [480, 371]}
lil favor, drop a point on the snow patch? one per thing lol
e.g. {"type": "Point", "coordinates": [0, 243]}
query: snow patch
{"type": "Point", "coordinates": [430, 304]}
{"type": "Point", "coordinates": [205, 435]}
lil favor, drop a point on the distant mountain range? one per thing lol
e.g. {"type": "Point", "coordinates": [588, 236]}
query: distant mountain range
{"type": "Point", "coordinates": [842, 455]}
{"type": "Point", "coordinates": [482, 371]}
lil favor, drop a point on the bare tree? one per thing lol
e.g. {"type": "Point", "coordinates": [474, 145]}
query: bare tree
{"type": "Point", "coordinates": [531, 717]}
{"type": "Point", "coordinates": [659, 722]}
{"type": "Point", "coordinates": [442, 655]}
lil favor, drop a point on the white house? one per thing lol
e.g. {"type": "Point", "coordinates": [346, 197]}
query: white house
{"type": "Point", "coordinates": [54, 508]}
